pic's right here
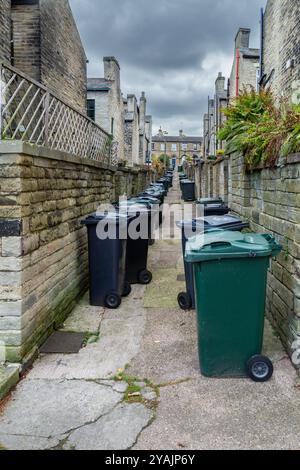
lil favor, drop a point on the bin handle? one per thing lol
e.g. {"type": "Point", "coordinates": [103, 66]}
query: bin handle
{"type": "Point", "coordinates": [218, 244]}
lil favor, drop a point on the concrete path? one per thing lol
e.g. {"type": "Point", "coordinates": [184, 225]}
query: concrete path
{"type": "Point", "coordinates": [136, 385]}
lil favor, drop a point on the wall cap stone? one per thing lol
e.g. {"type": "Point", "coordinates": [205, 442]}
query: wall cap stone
{"type": "Point", "coordinates": [13, 147]}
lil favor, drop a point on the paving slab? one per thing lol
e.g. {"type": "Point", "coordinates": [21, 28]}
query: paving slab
{"type": "Point", "coordinates": [49, 408]}
{"type": "Point", "coordinates": [225, 415]}
{"type": "Point", "coordinates": [85, 319]}
{"type": "Point", "coordinates": [121, 333]}
{"type": "Point", "coordinates": [117, 430]}
{"type": "Point", "coordinates": [11, 442]}
{"type": "Point", "coordinates": [163, 290]}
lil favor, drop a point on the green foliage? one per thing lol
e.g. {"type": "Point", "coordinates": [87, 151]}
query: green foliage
{"type": "Point", "coordinates": [261, 129]}
{"type": "Point", "coordinates": [165, 160]}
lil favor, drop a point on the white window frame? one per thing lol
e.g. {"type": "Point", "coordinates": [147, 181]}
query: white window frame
{"type": "Point", "coordinates": [174, 147]}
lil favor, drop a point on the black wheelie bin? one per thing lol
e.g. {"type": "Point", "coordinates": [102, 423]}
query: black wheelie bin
{"type": "Point", "coordinates": [107, 244]}
{"type": "Point", "coordinates": [188, 190]}
{"type": "Point", "coordinates": [139, 234]}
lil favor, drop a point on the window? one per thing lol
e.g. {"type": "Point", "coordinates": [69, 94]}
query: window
{"type": "Point", "coordinates": [91, 107]}
{"type": "Point", "coordinates": [153, 146]}
{"type": "Point", "coordinates": [184, 146]}
{"type": "Point", "coordinates": [162, 147]}
{"type": "Point", "coordinates": [195, 147]}
{"type": "Point", "coordinates": [174, 147]}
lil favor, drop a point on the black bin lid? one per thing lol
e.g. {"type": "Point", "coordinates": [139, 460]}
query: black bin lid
{"type": "Point", "coordinates": [113, 217]}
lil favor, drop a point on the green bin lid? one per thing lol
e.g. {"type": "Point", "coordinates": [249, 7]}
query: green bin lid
{"type": "Point", "coordinates": [223, 245]}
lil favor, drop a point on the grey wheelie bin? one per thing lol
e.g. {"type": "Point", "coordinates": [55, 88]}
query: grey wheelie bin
{"type": "Point", "coordinates": [190, 228]}
{"type": "Point", "coordinates": [230, 273]}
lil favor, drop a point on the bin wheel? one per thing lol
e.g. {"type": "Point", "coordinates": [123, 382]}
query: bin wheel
{"type": "Point", "coordinates": [145, 277]}
{"type": "Point", "coordinates": [113, 300]}
{"type": "Point", "coordinates": [184, 301]}
{"type": "Point", "coordinates": [127, 289]}
{"type": "Point", "coordinates": [260, 369]}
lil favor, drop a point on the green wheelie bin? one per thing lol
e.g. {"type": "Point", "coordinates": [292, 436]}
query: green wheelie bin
{"type": "Point", "coordinates": [230, 275]}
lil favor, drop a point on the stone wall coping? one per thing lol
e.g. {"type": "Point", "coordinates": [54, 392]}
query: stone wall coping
{"type": "Point", "coordinates": [220, 160]}
{"type": "Point", "coordinates": [13, 147]}
{"type": "Point", "coordinates": [291, 159]}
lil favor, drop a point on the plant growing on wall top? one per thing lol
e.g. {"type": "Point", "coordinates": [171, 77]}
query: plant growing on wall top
{"type": "Point", "coordinates": [260, 128]}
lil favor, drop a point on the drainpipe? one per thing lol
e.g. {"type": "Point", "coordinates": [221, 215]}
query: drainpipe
{"type": "Point", "coordinates": [237, 78]}
{"type": "Point", "coordinates": [262, 27]}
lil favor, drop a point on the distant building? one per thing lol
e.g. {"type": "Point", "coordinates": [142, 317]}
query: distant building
{"type": "Point", "coordinates": [40, 38]}
{"type": "Point", "coordinates": [214, 118]}
{"type": "Point", "coordinates": [178, 148]}
{"type": "Point", "coordinates": [124, 118]}
{"type": "Point", "coordinates": [246, 64]}
{"type": "Point", "coordinates": [281, 48]}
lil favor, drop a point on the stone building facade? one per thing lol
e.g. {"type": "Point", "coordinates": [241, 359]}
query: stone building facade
{"type": "Point", "coordinates": [281, 47]}
{"type": "Point", "coordinates": [105, 102]}
{"type": "Point", "coordinates": [132, 129]}
{"type": "Point", "coordinates": [125, 119]}
{"type": "Point", "coordinates": [178, 148]}
{"type": "Point", "coordinates": [40, 38]}
{"type": "Point", "coordinates": [5, 30]}
{"type": "Point", "coordinates": [246, 64]}
{"type": "Point", "coordinates": [214, 118]}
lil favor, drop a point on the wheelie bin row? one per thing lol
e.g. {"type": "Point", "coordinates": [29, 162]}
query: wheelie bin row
{"type": "Point", "coordinates": [218, 257]}
{"type": "Point", "coordinates": [118, 244]}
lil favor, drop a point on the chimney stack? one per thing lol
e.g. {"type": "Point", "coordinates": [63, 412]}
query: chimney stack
{"type": "Point", "coordinates": [220, 83]}
{"type": "Point", "coordinates": [112, 71]}
{"type": "Point", "coordinates": [242, 39]}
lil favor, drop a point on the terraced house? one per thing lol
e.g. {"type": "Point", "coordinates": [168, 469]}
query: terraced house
{"type": "Point", "coordinates": [177, 148]}
{"type": "Point", "coordinates": [123, 118]}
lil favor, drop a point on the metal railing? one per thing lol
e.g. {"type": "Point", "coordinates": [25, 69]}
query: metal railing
{"type": "Point", "coordinates": [32, 113]}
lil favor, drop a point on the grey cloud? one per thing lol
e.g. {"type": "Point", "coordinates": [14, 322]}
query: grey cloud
{"type": "Point", "coordinates": [158, 40]}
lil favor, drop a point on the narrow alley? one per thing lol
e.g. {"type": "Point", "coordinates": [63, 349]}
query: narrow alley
{"type": "Point", "coordinates": [136, 385]}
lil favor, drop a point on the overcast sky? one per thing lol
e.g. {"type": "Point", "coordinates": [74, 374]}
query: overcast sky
{"type": "Point", "coordinates": [171, 49]}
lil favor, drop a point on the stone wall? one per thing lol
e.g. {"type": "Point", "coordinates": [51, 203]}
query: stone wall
{"type": "Point", "coordinates": [63, 57]}
{"type": "Point", "coordinates": [43, 256]}
{"type": "Point", "coordinates": [269, 199]}
{"type": "Point", "coordinates": [26, 33]}
{"type": "Point", "coordinates": [282, 44]}
{"type": "Point", "coordinates": [5, 30]}
{"type": "Point", "coordinates": [47, 47]}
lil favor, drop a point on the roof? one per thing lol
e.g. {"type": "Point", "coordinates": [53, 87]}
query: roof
{"type": "Point", "coordinates": [98, 84]}
{"type": "Point", "coordinates": [184, 139]}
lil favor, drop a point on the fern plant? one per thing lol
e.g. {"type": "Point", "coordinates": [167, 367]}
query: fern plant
{"type": "Point", "coordinates": [261, 129]}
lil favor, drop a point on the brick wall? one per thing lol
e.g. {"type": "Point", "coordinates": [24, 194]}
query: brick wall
{"type": "Point", "coordinates": [282, 43]}
{"type": "Point", "coordinates": [43, 256]}
{"type": "Point", "coordinates": [5, 29]}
